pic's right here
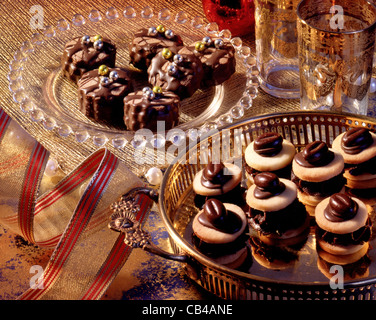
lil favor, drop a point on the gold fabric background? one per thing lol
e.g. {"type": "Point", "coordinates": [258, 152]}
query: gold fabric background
{"type": "Point", "coordinates": [17, 256]}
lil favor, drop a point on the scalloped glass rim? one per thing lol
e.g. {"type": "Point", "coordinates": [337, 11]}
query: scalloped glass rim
{"type": "Point", "coordinates": [101, 136]}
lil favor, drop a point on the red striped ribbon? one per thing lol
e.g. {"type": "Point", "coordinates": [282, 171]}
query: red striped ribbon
{"type": "Point", "coordinates": [100, 167]}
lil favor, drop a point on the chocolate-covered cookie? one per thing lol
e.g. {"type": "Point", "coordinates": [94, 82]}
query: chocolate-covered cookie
{"type": "Point", "coordinates": [220, 181]}
{"type": "Point", "coordinates": [358, 148]}
{"type": "Point", "coordinates": [147, 42]}
{"type": "Point", "coordinates": [101, 93]}
{"type": "Point", "coordinates": [275, 211]}
{"type": "Point", "coordinates": [318, 172]}
{"type": "Point", "coordinates": [219, 232]}
{"type": "Point", "coordinates": [86, 53]}
{"type": "Point", "coordinates": [343, 225]}
{"type": "Point", "coordinates": [218, 59]}
{"type": "Point", "coordinates": [269, 152]}
{"type": "Point", "coordinates": [180, 73]}
{"type": "Point", "coordinates": [143, 109]}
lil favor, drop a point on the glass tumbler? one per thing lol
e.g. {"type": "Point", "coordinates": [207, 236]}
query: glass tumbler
{"type": "Point", "coordinates": [277, 48]}
{"type": "Point", "coordinates": [336, 48]}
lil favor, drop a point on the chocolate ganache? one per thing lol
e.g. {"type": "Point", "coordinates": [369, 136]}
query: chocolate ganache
{"type": "Point", "coordinates": [356, 140]}
{"type": "Point", "coordinates": [267, 185]}
{"type": "Point", "coordinates": [268, 144]}
{"type": "Point", "coordinates": [315, 154]}
{"type": "Point", "coordinates": [215, 215]}
{"type": "Point", "coordinates": [214, 177]}
{"type": "Point", "coordinates": [340, 208]}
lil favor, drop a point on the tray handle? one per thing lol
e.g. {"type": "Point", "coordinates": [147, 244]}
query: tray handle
{"type": "Point", "coordinates": [123, 220]}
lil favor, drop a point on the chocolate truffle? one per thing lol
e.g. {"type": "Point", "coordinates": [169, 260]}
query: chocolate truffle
{"type": "Point", "coordinates": [358, 148]}
{"type": "Point", "coordinates": [219, 233]}
{"type": "Point", "coordinates": [269, 152]}
{"type": "Point", "coordinates": [275, 212]}
{"type": "Point", "coordinates": [180, 73]}
{"type": "Point", "coordinates": [147, 42]}
{"type": "Point", "coordinates": [218, 60]}
{"type": "Point", "coordinates": [318, 172]}
{"type": "Point", "coordinates": [220, 181]}
{"type": "Point", "coordinates": [86, 53]}
{"type": "Point", "coordinates": [143, 109]}
{"type": "Point", "coordinates": [101, 93]}
{"type": "Point", "coordinates": [343, 226]}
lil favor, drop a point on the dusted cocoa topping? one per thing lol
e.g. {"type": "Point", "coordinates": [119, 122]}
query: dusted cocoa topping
{"type": "Point", "coordinates": [213, 176]}
{"type": "Point", "coordinates": [340, 208]}
{"type": "Point", "coordinates": [315, 154]}
{"type": "Point", "coordinates": [268, 144]}
{"type": "Point", "coordinates": [267, 185]}
{"type": "Point", "coordinates": [356, 140]}
{"type": "Point", "coordinates": [148, 42]}
{"type": "Point", "coordinates": [215, 215]}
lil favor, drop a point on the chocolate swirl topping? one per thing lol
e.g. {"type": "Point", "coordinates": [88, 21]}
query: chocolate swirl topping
{"type": "Point", "coordinates": [215, 215]}
{"type": "Point", "coordinates": [267, 185]}
{"type": "Point", "coordinates": [315, 154]}
{"type": "Point", "coordinates": [213, 176]}
{"type": "Point", "coordinates": [356, 140]}
{"type": "Point", "coordinates": [340, 208]}
{"type": "Point", "coordinates": [268, 144]}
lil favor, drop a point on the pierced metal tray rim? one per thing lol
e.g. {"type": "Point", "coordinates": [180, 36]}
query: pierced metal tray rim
{"type": "Point", "coordinates": [183, 246]}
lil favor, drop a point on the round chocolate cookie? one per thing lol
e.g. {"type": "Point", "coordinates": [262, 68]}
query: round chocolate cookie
{"type": "Point", "coordinates": [269, 152]}
{"type": "Point", "coordinates": [343, 225]}
{"type": "Point", "coordinates": [101, 93]}
{"type": "Point", "coordinates": [218, 60]}
{"type": "Point", "coordinates": [180, 73]}
{"type": "Point", "coordinates": [220, 181]}
{"type": "Point", "coordinates": [143, 109]}
{"type": "Point", "coordinates": [219, 233]}
{"type": "Point", "coordinates": [358, 148]}
{"type": "Point", "coordinates": [318, 172]}
{"type": "Point", "coordinates": [274, 210]}
{"type": "Point", "coordinates": [147, 42]}
{"type": "Point", "coordinates": [86, 53]}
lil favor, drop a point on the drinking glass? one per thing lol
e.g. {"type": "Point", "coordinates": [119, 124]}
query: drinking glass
{"type": "Point", "coordinates": [336, 48]}
{"type": "Point", "coordinates": [277, 48]}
